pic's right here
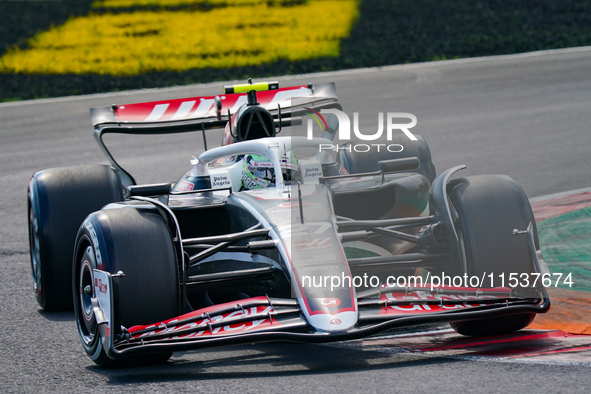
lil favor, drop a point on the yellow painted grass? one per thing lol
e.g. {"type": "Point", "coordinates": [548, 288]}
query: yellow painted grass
{"type": "Point", "coordinates": [144, 41]}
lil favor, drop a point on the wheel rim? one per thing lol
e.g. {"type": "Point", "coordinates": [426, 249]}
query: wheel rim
{"type": "Point", "coordinates": [35, 249]}
{"type": "Point", "coordinates": [87, 324]}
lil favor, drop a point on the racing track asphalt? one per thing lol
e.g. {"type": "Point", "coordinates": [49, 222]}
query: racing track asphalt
{"type": "Point", "coordinates": [523, 115]}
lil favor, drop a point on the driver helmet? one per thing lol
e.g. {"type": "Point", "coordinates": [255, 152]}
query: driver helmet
{"type": "Point", "coordinates": [258, 171]}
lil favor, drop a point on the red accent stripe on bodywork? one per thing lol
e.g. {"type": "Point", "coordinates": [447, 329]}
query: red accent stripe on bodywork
{"type": "Point", "coordinates": [140, 112]}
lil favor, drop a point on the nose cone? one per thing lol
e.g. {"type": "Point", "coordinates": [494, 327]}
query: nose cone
{"type": "Point", "coordinates": [338, 322]}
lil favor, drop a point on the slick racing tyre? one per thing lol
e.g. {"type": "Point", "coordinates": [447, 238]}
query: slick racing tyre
{"type": "Point", "coordinates": [139, 244]}
{"type": "Point", "coordinates": [58, 201]}
{"type": "Point", "coordinates": [489, 208]}
{"type": "Point", "coordinates": [360, 161]}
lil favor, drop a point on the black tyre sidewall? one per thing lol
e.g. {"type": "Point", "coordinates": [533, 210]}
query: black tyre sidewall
{"type": "Point", "coordinates": [489, 207]}
{"type": "Point", "coordinates": [60, 199]}
{"type": "Point", "coordinates": [138, 243]}
{"type": "Point", "coordinates": [93, 348]}
{"type": "Point", "coordinates": [493, 326]}
{"type": "Point", "coordinates": [360, 162]}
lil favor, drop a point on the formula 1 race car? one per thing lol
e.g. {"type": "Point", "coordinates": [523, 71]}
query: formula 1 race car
{"type": "Point", "coordinates": [277, 238]}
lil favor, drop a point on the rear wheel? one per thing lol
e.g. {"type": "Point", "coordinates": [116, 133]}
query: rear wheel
{"type": "Point", "coordinates": [356, 162]}
{"type": "Point", "coordinates": [487, 210]}
{"type": "Point", "coordinates": [58, 201]}
{"type": "Point", "coordinates": [138, 243]}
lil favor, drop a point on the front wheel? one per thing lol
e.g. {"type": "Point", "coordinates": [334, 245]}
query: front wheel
{"type": "Point", "coordinates": [139, 244]}
{"type": "Point", "coordinates": [487, 210]}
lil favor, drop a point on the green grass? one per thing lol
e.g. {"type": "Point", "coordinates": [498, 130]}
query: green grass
{"type": "Point", "coordinates": [387, 32]}
{"type": "Point", "coordinates": [566, 247]}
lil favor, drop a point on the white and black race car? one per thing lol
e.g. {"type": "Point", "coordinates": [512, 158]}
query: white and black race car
{"type": "Point", "coordinates": [276, 238]}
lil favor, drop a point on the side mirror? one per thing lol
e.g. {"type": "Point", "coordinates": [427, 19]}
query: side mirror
{"type": "Point", "coordinates": [218, 107]}
{"type": "Point", "coordinates": [332, 121]}
{"type": "Point", "coordinates": [394, 165]}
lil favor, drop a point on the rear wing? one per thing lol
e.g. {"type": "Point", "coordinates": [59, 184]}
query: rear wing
{"type": "Point", "coordinates": [204, 113]}
{"type": "Point", "coordinates": [172, 115]}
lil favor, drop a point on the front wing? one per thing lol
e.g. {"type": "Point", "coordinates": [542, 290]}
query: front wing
{"type": "Point", "coordinates": [264, 319]}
